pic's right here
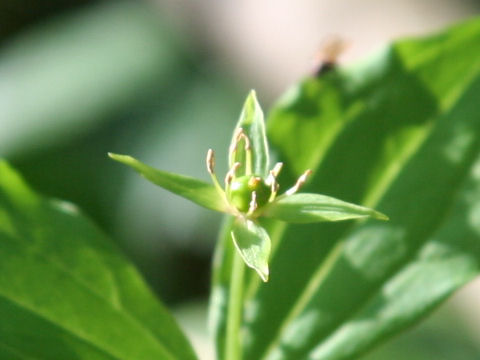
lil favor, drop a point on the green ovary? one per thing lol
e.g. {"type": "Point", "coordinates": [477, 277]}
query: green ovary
{"type": "Point", "coordinates": [241, 189]}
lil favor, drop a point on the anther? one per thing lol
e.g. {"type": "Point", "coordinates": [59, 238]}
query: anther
{"type": "Point", "coordinates": [210, 161]}
{"type": "Point", "coordinates": [237, 133]}
{"type": "Point", "coordinates": [231, 173]}
{"type": "Point", "coordinates": [253, 204]}
{"type": "Point", "coordinates": [301, 180]}
{"type": "Point", "coordinates": [240, 135]}
{"type": "Point", "coordinates": [274, 186]}
{"type": "Point", "coordinates": [276, 169]}
{"type": "Point", "coordinates": [245, 138]}
{"type": "Point", "coordinates": [236, 136]}
{"type": "Point", "coordinates": [211, 170]}
{"type": "Point", "coordinates": [272, 175]}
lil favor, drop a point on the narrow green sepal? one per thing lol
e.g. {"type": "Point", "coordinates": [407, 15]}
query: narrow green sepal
{"type": "Point", "coordinates": [309, 208]}
{"type": "Point", "coordinates": [192, 189]}
{"type": "Point", "coordinates": [253, 244]}
{"type": "Point", "coordinates": [253, 124]}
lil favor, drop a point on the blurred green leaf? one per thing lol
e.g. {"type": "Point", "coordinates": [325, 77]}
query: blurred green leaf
{"type": "Point", "coordinates": [253, 243]}
{"type": "Point", "coordinates": [445, 335]}
{"type": "Point", "coordinates": [68, 75]}
{"type": "Point", "coordinates": [67, 293]}
{"type": "Point", "coordinates": [192, 189]}
{"type": "Point", "coordinates": [308, 208]}
{"type": "Point", "coordinates": [399, 132]}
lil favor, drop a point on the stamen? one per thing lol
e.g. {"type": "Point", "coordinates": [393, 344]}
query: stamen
{"type": "Point", "coordinates": [272, 175]}
{"type": "Point", "coordinates": [241, 135]}
{"type": "Point", "coordinates": [231, 174]}
{"type": "Point", "coordinates": [248, 151]}
{"type": "Point", "coordinates": [274, 186]}
{"type": "Point", "coordinates": [233, 146]}
{"type": "Point", "coordinates": [253, 204]}
{"type": "Point", "coordinates": [238, 136]}
{"type": "Point", "coordinates": [276, 169]}
{"type": "Point", "coordinates": [211, 170]}
{"type": "Point", "coordinates": [301, 180]}
{"type": "Point", "coordinates": [211, 161]}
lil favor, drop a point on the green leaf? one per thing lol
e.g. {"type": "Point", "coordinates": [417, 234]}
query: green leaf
{"type": "Point", "coordinates": [253, 244]}
{"type": "Point", "coordinates": [308, 208]}
{"type": "Point", "coordinates": [252, 122]}
{"type": "Point", "coordinates": [444, 335]}
{"type": "Point", "coordinates": [399, 132]}
{"type": "Point", "coordinates": [66, 292]}
{"type": "Point", "coordinates": [192, 189]}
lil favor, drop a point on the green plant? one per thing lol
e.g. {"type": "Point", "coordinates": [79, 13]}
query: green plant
{"type": "Point", "coordinates": [250, 194]}
{"type": "Point", "coordinates": [400, 132]}
{"type": "Point", "coordinates": [251, 191]}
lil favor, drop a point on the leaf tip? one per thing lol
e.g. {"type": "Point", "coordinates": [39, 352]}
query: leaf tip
{"type": "Point", "coordinates": [380, 216]}
{"type": "Point", "coordinates": [120, 158]}
{"type": "Point", "coordinates": [252, 101]}
{"type": "Point", "coordinates": [114, 156]}
{"type": "Point", "coordinates": [264, 274]}
{"type": "Point", "coordinates": [252, 94]}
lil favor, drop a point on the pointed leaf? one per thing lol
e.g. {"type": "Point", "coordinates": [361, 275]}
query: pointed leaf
{"type": "Point", "coordinates": [66, 292]}
{"type": "Point", "coordinates": [253, 243]}
{"type": "Point", "coordinates": [252, 122]}
{"type": "Point", "coordinates": [308, 208]}
{"type": "Point", "coordinates": [192, 189]}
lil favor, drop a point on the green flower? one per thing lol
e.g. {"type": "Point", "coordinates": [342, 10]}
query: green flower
{"type": "Point", "coordinates": [250, 190]}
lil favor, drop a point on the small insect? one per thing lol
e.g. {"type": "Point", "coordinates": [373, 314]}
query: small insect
{"type": "Point", "coordinates": [328, 54]}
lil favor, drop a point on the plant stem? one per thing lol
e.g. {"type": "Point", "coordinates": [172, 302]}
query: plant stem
{"type": "Point", "coordinates": [233, 349]}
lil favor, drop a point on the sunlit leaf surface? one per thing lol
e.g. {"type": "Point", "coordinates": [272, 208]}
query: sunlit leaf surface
{"type": "Point", "coordinates": [309, 208]}
{"type": "Point", "coordinates": [253, 243]}
{"type": "Point", "coordinates": [67, 293]}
